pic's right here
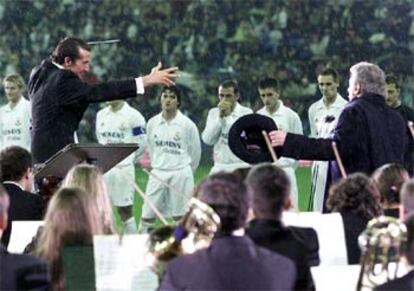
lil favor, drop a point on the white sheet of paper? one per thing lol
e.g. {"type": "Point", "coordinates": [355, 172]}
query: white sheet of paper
{"type": "Point", "coordinates": [330, 230]}
{"type": "Point", "coordinates": [22, 234]}
{"type": "Point", "coordinates": [122, 266]}
{"type": "Point", "coordinates": [338, 278]}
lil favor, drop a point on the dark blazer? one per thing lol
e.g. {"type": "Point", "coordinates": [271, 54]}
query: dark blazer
{"type": "Point", "coordinates": [408, 115]}
{"type": "Point", "coordinates": [354, 225]}
{"type": "Point", "coordinates": [405, 283]}
{"type": "Point", "coordinates": [23, 206]}
{"type": "Point", "coordinates": [22, 272]}
{"type": "Point", "coordinates": [234, 263]}
{"type": "Point", "coordinates": [369, 134]}
{"type": "Point", "coordinates": [297, 243]}
{"type": "Point", "coordinates": [59, 99]}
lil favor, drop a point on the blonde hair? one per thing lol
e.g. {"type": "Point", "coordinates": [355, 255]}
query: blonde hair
{"type": "Point", "coordinates": [69, 220]}
{"type": "Point", "coordinates": [90, 179]}
{"type": "Point", "coordinates": [15, 79]}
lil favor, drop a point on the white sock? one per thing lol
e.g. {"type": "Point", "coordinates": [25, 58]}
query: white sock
{"type": "Point", "coordinates": [130, 226]}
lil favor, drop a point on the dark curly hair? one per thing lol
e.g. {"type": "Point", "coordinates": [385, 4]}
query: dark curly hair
{"type": "Point", "coordinates": [356, 193]}
{"type": "Point", "coordinates": [389, 179]}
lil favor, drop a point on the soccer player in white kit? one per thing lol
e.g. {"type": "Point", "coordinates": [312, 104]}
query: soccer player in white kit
{"type": "Point", "coordinates": [15, 116]}
{"type": "Point", "coordinates": [219, 121]}
{"type": "Point", "coordinates": [285, 119]}
{"type": "Point", "coordinates": [120, 123]}
{"type": "Point", "coordinates": [175, 151]}
{"type": "Point", "coordinates": [322, 119]}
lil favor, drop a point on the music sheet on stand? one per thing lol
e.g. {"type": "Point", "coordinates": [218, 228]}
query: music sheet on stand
{"type": "Point", "coordinates": [122, 266]}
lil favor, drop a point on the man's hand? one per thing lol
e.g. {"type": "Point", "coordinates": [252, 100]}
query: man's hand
{"type": "Point", "coordinates": [277, 137]}
{"type": "Point", "coordinates": [225, 108]}
{"type": "Point", "coordinates": [157, 76]}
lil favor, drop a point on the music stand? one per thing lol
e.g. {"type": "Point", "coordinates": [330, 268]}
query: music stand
{"type": "Point", "coordinates": [103, 156]}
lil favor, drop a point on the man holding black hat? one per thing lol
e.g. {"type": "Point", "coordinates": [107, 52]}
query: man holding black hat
{"type": "Point", "coordinates": [219, 122]}
{"type": "Point", "coordinates": [368, 133]}
{"type": "Point", "coordinates": [286, 119]}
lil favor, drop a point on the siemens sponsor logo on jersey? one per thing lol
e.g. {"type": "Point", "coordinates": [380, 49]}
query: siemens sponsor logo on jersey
{"type": "Point", "coordinates": [111, 134]}
{"type": "Point", "coordinates": [169, 147]}
{"type": "Point", "coordinates": [12, 131]}
{"type": "Point", "coordinates": [167, 143]}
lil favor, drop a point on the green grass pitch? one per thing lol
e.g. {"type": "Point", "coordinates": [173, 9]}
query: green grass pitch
{"type": "Point", "coordinates": [302, 175]}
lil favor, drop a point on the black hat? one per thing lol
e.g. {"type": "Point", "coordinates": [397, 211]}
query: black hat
{"type": "Point", "coordinates": [246, 140]}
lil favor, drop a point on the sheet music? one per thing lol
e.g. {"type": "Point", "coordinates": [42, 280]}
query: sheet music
{"type": "Point", "coordinates": [22, 234]}
{"type": "Point", "coordinates": [330, 230]}
{"type": "Point", "coordinates": [338, 278]}
{"type": "Point", "coordinates": [122, 266]}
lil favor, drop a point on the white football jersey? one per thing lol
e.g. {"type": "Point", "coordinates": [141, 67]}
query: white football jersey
{"type": "Point", "coordinates": [216, 134]}
{"type": "Point", "coordinates": [318, 111]}
{"type": "Point", "coordinates": [173, 144]}
{"type": "Point", "coordinates": [287, 120]}
{"type": "Point", "coordinates": [15, 124]}
{"type": "Point", "coordinates": [127, 125]}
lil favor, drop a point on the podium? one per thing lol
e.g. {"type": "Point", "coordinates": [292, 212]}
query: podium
{"type": "Point", "coordinates": [103, 156]}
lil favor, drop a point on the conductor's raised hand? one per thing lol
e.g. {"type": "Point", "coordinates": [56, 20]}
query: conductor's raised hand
{"type": "Point", "coordinates": [160, 76]}
{"type": "Point", "coordinates": [277, 137]}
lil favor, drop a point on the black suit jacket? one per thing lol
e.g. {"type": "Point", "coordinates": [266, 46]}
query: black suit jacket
{"type": "Point", "coordinates": [23, 206]}
{"type": "Point", "coordinates": [369, 134]}
{"type": "Point", "coordinates": [408, 115]}
{"type": "Point", "coordinates": [230, 263]}
{"type": "Point", "coordinates": [22, 272]}
{"type": "Point", "coordinates": [59, 99]}
{"type": "Point", "coordinates": [300, 244]}
{"type": "Point", "coordinates": [405, 283]}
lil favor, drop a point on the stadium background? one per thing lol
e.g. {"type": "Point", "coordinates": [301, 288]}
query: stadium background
{"type": "Point", "coordinates": [214, 40]}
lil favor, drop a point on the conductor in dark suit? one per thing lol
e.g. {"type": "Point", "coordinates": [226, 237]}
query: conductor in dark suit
{"type": "Point", "coordinates": [59, 98]}
{"type": "Point", "coordinates": [232, 261]}
{"type": "Point", "coordinates": [19, 272]}
{"type": "Point", "coordinates": [17, 178]}
{"type": "Point", "coordinates": [271, 196]}
{"type": "Point", "coordinates": [368, 133]}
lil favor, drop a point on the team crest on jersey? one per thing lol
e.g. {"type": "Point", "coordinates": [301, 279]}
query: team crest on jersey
{"type": "Point", "coordinates": [176, 136]}
{"type": "Point", "coordinates": [122, 127]}
{"type": "Point", "coordinates": [18, 123]}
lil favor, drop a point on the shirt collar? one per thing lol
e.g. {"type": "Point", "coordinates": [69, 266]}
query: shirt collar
{"type": "Point", "coordinates": [58, 65]}
{"type": "Point", "coordinates": [172, 121]}
{"type": "Point", "coordinates": [337, 103]}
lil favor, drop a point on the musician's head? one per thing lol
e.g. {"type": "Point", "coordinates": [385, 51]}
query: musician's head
{"type": "Point", "coordinates": [366, 78]}
{"type": "Point", "coordinates": [270, 187]}
{"type": "Point", "coordinates": [71, 219]}
{"type": "Point", "coordinates": [407, 198]}
{"type": "Point", "coordinates": [356, 193]}
{"type": "Point", "coordinates": [73, 54]}
{"type": "Point", "coordinates": [4, 208]}
{"type": "Point", "coordinates": [90, 179]}
{"type": "Point", "coordinates": [227, 194]}
{"type": "Point", "coordinates": [409, 250]}
{"type": "Point", "coordinates": [389, 179]}
{"type": "Point", "coordinates": [16, 166]}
